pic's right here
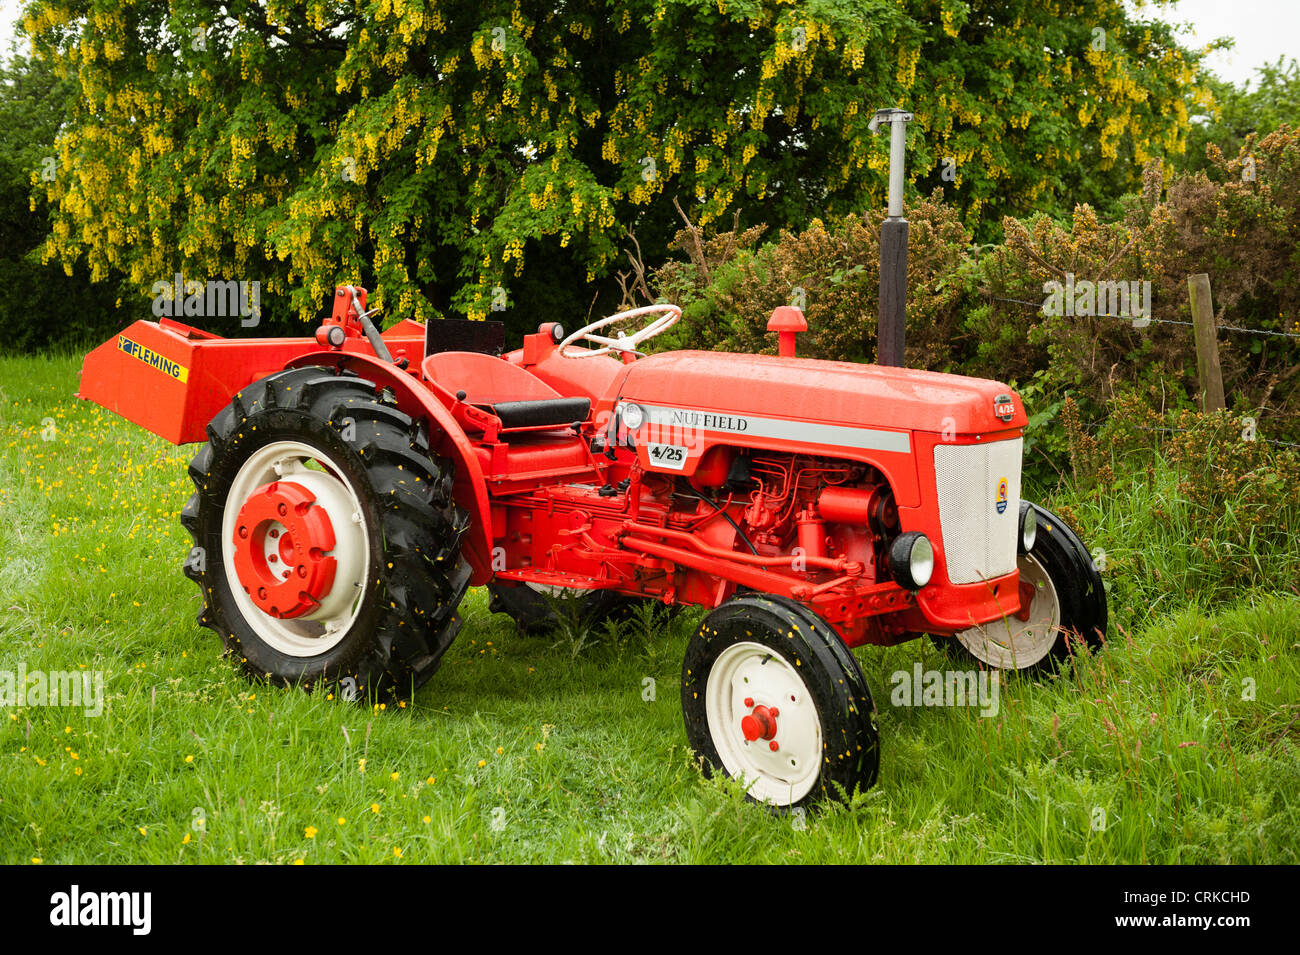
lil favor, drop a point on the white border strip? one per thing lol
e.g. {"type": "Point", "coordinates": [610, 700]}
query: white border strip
{"type": "Point", "coordinates": [670, 423]}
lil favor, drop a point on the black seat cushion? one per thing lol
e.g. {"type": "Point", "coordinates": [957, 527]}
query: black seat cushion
{"type": "Point", "coordinates": [543, 413]}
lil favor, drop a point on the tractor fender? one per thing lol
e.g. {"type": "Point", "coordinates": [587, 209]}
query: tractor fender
{"type": "Point", "coordinates": [470, 490]}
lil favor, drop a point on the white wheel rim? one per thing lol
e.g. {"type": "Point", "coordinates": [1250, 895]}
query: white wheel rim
{"type": "Point", "coordinates": [1012, 643]}
{"type": "Point", "coordinates": [751, 671]}
{"type": "Point", "coordinates": [321, 630]}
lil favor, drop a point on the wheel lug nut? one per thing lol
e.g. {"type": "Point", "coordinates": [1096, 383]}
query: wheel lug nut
{"type": "Point", "coordinates": [773, 746]}
{"type": "Point", "coordinates": [749, 701]}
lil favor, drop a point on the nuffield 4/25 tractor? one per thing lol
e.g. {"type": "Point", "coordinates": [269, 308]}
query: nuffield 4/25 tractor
{"type": "Point", "coordinates": [352, 486]}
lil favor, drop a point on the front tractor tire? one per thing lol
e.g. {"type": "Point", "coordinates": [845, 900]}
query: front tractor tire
{"type": "Point", "coordinates": [1067, 612]}
{"type": "Point", "coordinates": [326, 543]}
{"type": "Point", "coordinates": [773, 698]}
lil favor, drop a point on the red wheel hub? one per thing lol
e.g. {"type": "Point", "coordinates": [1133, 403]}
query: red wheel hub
{"type": "Point", "coordinates": [282, 544]}
{"type": "Point", "coordinates": [1027, 594]}
{"type": "Point", "coordinates": [759, 724]}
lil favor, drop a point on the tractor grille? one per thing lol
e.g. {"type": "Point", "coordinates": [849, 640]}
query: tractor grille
{"type": "Point", "coordinates": [978, 542]}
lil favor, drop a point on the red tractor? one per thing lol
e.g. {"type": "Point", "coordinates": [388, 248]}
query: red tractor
{"type": "Point", "coordinates": [353, 485]}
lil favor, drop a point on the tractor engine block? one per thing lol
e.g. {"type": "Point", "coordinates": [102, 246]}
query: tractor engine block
{"type": "Point", "coordinates": [805, 506]}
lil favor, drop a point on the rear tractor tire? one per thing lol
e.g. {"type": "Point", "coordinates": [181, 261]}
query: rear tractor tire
{"type": "Point", "coordinates": [326, 543]}
{"type": "Point", "coordinates": [773, 698]}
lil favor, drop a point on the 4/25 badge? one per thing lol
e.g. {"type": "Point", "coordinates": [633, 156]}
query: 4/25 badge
{"type": "Point", "coordinates": [671, 456]}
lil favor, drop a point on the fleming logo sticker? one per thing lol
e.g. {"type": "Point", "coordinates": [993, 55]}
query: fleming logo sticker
{"type": "Point", "coordinates": [153, 359]}
{"type": "Point", "coordinates": [1002, 495]}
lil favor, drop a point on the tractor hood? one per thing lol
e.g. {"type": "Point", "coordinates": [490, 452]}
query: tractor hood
{"type": "Point", "coordinates": [824, 392]}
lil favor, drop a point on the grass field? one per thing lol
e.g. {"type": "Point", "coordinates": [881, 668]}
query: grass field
{"type": "Point", "coordinates": [1177, 743]}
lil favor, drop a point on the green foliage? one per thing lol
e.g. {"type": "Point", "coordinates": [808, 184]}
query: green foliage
{"type": "Point", "coordinates": [48, 304]}
{"type": "Point", "coordinates": [1240, 111]}
{"type": "Point", "coordinates": [576, 628]}
{"type": "Point", "coordinates": [433, 150]}
{"type": "Point", "coordinates": [1240, 229]}
{"type": "Point", "coordinates": [831, 271]}
{"type": "Point", "coordinates": [1223, 505]}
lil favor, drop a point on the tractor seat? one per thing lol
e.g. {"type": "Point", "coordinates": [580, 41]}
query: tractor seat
{"type": "Point", "coordinates": [541, 413]}
{"type": "Point", "coordinates": [517, 397]}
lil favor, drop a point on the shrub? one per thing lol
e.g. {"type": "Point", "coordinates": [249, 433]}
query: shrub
{"type": "Point", "coordinates": [1226, 501]}
{"type": "Point", "coordinates": [729, 288]}
{"type": "Point", "coordinates": [1237, 222]}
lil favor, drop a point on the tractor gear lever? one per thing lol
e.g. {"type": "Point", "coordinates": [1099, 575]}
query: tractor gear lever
{"type": "Point", "coordinates": [372, 333]}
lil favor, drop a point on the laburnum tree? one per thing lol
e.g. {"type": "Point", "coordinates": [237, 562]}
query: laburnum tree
{"type": "Point", "coordinates": [461, 157]}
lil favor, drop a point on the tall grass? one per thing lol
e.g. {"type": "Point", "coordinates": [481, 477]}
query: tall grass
{"type": "Point", "coordinates": [1177, 743]}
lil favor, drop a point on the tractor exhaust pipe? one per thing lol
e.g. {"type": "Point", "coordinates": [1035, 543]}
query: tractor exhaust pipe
{"type": "Point", "coordinates": [892, 322]}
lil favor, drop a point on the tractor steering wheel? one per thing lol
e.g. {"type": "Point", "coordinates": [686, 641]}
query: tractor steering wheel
{"type": "Point", "coordinates": [624, 343]}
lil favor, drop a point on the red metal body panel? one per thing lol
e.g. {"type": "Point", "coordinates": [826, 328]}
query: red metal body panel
{"type": "Point", "coordinates": [817, 391]}
{"type": "Point", "coordinates": [172, 379]}
{"type": "Point", "coordinates": [945, 609]}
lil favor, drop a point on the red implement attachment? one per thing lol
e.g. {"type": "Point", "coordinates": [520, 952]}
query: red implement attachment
{"type": "Point", "coordinates": [171, 379]}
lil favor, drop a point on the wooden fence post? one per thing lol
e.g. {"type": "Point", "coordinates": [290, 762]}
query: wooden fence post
{"type": "Point", "coordinates": [1208, 370]}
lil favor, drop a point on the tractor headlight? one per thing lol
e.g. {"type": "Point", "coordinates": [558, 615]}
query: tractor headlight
{"type": "Point", "coordinates": [1028, 527]}
{"type": "Point", "coordinates": [633, 416]}
{"type": "Point", "coordinates": [911, 559]}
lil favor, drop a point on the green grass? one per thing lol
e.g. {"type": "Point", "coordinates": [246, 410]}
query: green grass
{"type": "Point", "coordinates": [534, 749]}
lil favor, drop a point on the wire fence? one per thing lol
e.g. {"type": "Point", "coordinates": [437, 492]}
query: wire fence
{"type": "Point", "coordinates": [1038, 306]}
{"type": "Point", "coordinates": [1144, 320]}
{"type": "Point", "coordinates": [1094, 425]}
